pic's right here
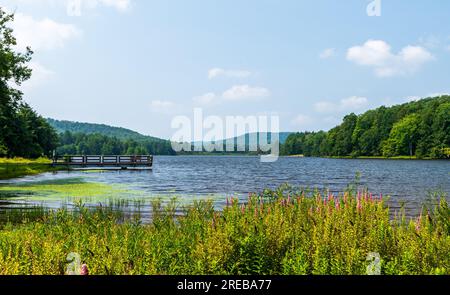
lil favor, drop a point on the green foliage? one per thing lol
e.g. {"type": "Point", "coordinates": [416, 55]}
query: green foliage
{"type": "Point", "coordinates": [22, 131]}
{"type": "Point", "coordinates": [98, 144]}
{"type": "Point", "coordinates": [403, 135]}
{"type": "Point", "coordinates": [276, 232]}
{"type": "Point", "coordinates": [106, 130]}
{"type": "Point", "coordinates": [419, 129]}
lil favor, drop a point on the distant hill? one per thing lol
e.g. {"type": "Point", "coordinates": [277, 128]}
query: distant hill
{"type": "Point", "coordinates": [100, 139]}
{"type": "Point", "coordinates": [127, 134]}
{"type": "Point", "coordinates": [246, 139]}
{"type": "Point", "coordinates": [106, 130]}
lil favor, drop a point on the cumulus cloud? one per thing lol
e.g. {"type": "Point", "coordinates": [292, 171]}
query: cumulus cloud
{"type": "Point", "coordinates": [40, 74]}
{"type": "Point", "coordinates": [234, 94]}
{"type": "Point", "coordinates": [378, 55]}
{"type": "Point", "coordinates": [352, 103]}
{"type": "Point", "coordinates": [163, 106]}
{"type": "Point", "coordinates": [119, 5]}
{"type": "Point", "coordinates": [325, 107]}
{"type": "Point", "coordinates": [72, 5]}
{"type": "Point", "coordinates": [205, 99]}
{"type": "Point", "coordinates": [302, 120]}
{"type": "Point", "coordinates": [438, 94]}
{"type": "Point", "coordinates": [219, 72]}
{"type": "Point", "coordinates": [242, 92]}
{"type": "Point", "coordinates": [327, 53]}
{"type": "Point", "coordinates": [44, 34]}
{"type": "Point", "coordinates": [434, 94]}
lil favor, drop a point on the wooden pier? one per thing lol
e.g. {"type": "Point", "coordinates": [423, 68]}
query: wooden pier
{"type": "Point", "coordinates": [104, 162]}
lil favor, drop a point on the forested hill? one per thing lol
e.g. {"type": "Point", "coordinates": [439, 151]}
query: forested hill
{"type": "Point", "coordinates": [419, 128]}
{"type": "Point", "coordinates": [100, 139]}
{"type": "Point", "coordinates": [91, 128]}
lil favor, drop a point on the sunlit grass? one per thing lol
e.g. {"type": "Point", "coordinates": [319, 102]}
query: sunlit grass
{"type": "Point", "coordinates": [25, 161]}
{"type": "Point", "coordinates": [18, 167]}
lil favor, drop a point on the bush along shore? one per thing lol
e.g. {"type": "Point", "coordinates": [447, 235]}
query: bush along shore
{"type": "Point", "coordinates": [272, 233]}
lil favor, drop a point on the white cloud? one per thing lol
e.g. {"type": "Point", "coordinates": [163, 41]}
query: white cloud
{"type": "Point", "coordinates": [68, 5]}
{"type": "Point", "coordinates": [327, 53]}
{"type": "Point", "coordinates": [234, 94]}
{"type": "Point", "coordinates": [302, 120]}
{"type": "Point", "coordinates": [240, 92]}
{"type": "Point", "coordinates": [412, 98]}
{"type": "Point", "coordinates": [163, 106]}
{"type": "Point", "coordinates": [438, 94]}
{"type": "Point", "coordinates": [352, 103]}
{"type": "Point", "coordinates": [430, 41]}
{"type": "Point", "coordinates": [417, 97]}
{"type": "Point", "coordinates": [378, 55]}
{"type": "Point", "coordinates": [218, 72]}
{"type": "Point", "coordinates": [325, 107]}
{"type": "Point", "coordinates": [40, 75]}
{"type": "Point", "coordinates": [119, 5]}
{"type": "Point", "coordinates": [205, 99]}
{"type": "Point", "coordinates": [42, 34]}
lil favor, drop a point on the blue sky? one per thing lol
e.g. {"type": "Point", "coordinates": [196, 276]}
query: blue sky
{"type": "Point", "coordinates": [138, 63]}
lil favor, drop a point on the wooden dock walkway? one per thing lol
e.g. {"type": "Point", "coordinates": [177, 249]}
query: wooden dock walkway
{"type": "Point", "coordinates": [104, 162]}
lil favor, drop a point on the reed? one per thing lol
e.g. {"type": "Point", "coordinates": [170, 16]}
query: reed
{"type": "Point", "coordinates": [275, 232]}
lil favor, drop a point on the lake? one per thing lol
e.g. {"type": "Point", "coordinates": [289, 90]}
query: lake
{"type": "Point", "coordinates": [216, 177]}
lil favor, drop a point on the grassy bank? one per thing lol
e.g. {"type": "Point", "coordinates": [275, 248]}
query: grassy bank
{"type": "Point", "coordinates": [274, 233]}
{"type": "Point", "coordinates": [18, 167]}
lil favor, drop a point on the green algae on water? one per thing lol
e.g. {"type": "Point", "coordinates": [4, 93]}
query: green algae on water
{"type": "Point", "coordinates": [66, 189]}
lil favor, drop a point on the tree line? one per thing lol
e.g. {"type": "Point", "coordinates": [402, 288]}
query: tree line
{"type": "Point", "coordinates": [98, 144]}
{"type": "Point", "coordinates": [419, 128]}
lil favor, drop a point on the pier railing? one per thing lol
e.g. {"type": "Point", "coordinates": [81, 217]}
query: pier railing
{"type": "Point", "coordinates": [104, 161]}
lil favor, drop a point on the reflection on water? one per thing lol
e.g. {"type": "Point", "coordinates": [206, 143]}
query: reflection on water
{"type": "Point", "coordinates": [215, 177]}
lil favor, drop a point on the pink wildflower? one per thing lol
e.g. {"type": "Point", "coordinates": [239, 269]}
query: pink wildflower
{"type": "Point", "coordinates": [358, 204]}
{"type": "Point", "coordinates": [84, 270]}
{"type": "Point", "coordinates": [418, 222]}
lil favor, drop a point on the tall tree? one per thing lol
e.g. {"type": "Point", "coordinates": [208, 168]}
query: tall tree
{"type": "Point", "coordinates": [22, 131]}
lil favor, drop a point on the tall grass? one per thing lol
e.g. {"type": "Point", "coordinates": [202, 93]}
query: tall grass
{"type": "Point", "coordinates": [272, 233]}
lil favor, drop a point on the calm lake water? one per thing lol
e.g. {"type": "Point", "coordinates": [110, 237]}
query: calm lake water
{"type": "Point", "coordinates": [216, 177]}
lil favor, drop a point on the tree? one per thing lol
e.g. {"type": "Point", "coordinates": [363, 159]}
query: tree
{"type": "Point", "coordinates": [22, 131]}
{"type": "Point", "coordinates": [403, 137]}
{"type": "Point", "coordinates": [420, 128]}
